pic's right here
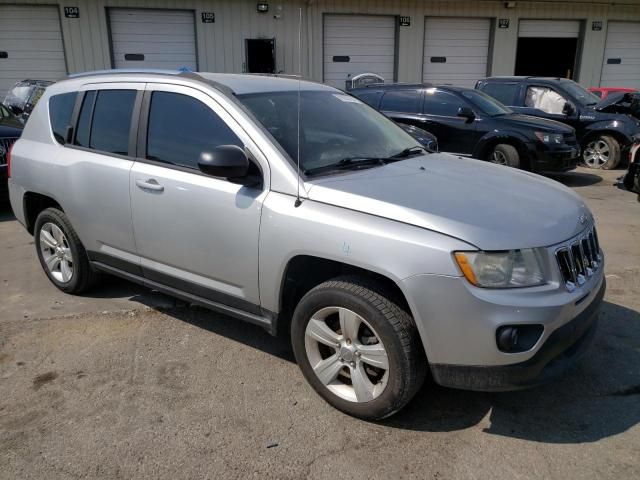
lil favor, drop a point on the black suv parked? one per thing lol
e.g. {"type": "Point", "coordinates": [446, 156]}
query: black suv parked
{"type": "Point", "coordinates": [468, 122]}
{"type": "Point", "coordinates": [604, 128]}
{"type": "Point", "coordinates": [10, 130]}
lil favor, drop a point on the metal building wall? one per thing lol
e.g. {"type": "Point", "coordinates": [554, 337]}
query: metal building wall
{"type": "Point", "coordinates": [220, 45]}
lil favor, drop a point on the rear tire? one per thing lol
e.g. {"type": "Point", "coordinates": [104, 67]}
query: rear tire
{"type": "Point", "coordinates": [601, 152]}
{"type": "Point", "coordinates": [358, 349]}
{"type": "Point", "coordinates": [504, 154]}
{"type": "Point", "coordinates": [61, 253]}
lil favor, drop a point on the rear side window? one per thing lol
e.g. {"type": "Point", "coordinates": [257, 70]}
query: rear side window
{"type": "Point", "coordinates": [370, 98]}
{"type": "Point", "coordinates": [503, 92]}
{"type": "Point", "coordinates": [105, 120]}
{"type": "Point", "coordinates": [60, 111]}
{"type": "Point", "coordinates": [180, 128]}
{"type": "Point", "coordinates": [408, 101]}
{"type": "Point", "coordinates": [441, 103]}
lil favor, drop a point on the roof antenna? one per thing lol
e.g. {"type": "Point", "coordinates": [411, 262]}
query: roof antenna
{"type": "Point", "coordinates": [298, 200]}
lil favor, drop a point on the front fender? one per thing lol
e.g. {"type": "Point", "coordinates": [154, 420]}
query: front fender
{"type": "Point", "coordinates": [392, 249]}
{"type": "Point", "coordinates": [621, 130]}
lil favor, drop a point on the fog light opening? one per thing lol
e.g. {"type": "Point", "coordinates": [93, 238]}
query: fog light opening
{"type": "Point", "coordinates": [518, 338]}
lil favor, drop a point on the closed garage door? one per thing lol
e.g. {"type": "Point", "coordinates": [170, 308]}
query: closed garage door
{"type": "Point", "coordinates": [30, 45]}
{"type": "Point", "coordinates": [356, 44]}
{"type": "Point", "coordinates": [455, 50]}
{"type": "Point", "coordinates": [152, 38]}
{"type": "Point", "coordinates": [621, 66]}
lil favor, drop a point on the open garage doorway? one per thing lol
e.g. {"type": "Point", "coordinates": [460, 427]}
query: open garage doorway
{"type": "Point", "coordinates": [260, 55]}
{"type": "Point", "coordinates": [548, 48]}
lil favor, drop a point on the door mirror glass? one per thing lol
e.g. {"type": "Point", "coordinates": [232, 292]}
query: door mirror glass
{"type": "Point", "coordinates": [228, 161]}
{"type": "Point", "coordinates": [568, 109]}
{"type": "Point", "coordinates": [467, 113]}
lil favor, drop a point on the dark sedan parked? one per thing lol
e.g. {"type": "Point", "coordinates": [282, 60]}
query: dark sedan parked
{"type": "Point", "coordinates": [471, 123]}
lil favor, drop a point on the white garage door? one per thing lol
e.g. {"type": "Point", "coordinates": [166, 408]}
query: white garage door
{"type": "Point", "coordinates": [30, 45]}
{"type": "Point", "coordinates": [549, 28]}
{"type": "Point", "coordinates": [356, 44]}
{"type": "Point", "coordinates": [152, 38]}
{"type": "Point", "coordinates": [455, 50]}
{"type": "Point", "coordinates": [621, 67]}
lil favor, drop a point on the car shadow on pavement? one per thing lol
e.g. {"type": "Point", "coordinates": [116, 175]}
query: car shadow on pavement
{"type": "Point", "coordinates": [576, 179]}
{"type": "Point", "coordinates": [599, 397]}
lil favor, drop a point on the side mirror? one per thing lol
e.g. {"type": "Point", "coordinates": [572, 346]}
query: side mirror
{"type": "Point", "coordinates": [15, 110]}
{"type": "Point", "coordinates": [228, 161]}
{"type": "Point", "coordinates": [568, 109]}
{"type": "Point", "coordinates": [467, 113]}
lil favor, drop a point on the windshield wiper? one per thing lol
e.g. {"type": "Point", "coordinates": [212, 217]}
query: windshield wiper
{"type": "Point", "coordinates": [346, 164]}
{"type": "Point", "coordinates": [407, 152]}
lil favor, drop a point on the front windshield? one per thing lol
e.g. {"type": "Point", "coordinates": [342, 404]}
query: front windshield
{"type": "Point", "coordinates": [583, 96]}
{"type": "Point", "coordinates": [333, 127]}
{"type": "Point", "coordinates": [487, 104]}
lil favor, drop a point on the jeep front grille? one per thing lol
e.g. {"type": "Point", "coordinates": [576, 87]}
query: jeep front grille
{"type": "Point", "coordinates": [5, 143]}
{"type": "Point", "coordinates": [579, 259]}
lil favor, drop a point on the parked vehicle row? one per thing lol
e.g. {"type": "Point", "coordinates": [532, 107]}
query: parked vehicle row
{"type": "Point", "coordinates": [470, 123]}
{"type": "Point", "coordinates": [334, 225]}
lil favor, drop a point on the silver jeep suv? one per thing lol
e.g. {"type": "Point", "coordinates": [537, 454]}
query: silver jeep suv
{"type": "Point", "coordinates": [294, 206]}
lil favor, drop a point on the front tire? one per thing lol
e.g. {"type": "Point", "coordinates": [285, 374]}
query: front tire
{"type": "Point", "coordinates": [61, 253]}
{"type": "Point", "coordinates": [504, 154]}
{"type": "Point", "coordinates": [601, 152]}
{"type": "Point", "coordinates": [358, 349]}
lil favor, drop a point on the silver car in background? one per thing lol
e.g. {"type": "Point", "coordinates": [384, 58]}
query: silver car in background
{"type": "Point", "coordinates": [383, 261]}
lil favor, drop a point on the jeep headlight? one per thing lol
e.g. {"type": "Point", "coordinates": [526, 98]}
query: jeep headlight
{"type": "Point", "coordinates": [504, 269]}
{"type": "Point", "coordinates": [550, 138]}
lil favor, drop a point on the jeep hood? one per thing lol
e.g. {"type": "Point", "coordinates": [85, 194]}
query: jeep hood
{"type": "Point", "coordinates": [621, 102]}
{"type": "Point", "coordinates": [490, 206]}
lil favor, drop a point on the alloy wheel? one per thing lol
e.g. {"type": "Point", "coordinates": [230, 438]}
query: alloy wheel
{"type": "Point", "coordinates": [596, 154]}
{"type": "Point", "coordinates": [56, 252]}
{"type": "Point", "coordinates": [346, 354]}
{"type": "Point", "coordinates": [498, 157]}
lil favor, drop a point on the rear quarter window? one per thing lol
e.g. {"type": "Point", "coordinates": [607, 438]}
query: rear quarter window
{"type": "Point", "coordinates": [60, 111]}
{"type": "Point", "coordinates": [407, 101]}
{"type": "Point", "coordinates": [504, 92]}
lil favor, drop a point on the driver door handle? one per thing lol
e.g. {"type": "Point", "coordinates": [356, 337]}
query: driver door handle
{"type": "Point", "coordinates": [150, 184]}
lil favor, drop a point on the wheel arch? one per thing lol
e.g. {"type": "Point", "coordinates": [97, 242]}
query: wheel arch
{"type": "Point", "coordinates": [488, 142]}
{"type": "Point", "coordinates": [304, 272]}
{"type": "Point", "coordinates": [618, 136]}
{"type": "Point", "coordinates": [33, 204]}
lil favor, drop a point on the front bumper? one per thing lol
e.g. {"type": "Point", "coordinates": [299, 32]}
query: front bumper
{"type": "Point", "coordinates": [554, 159]}
{"type": "Point", "coordinates": [561, 349]}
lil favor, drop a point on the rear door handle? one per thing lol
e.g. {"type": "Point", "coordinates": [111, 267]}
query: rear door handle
{"type": "Point", "coordinates": [150, 184]}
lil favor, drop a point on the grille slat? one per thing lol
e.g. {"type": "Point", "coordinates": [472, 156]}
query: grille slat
{"type": "Point", "coordinates": [579, 259]}
{"type": "Point", "coordinates": [6, 143]}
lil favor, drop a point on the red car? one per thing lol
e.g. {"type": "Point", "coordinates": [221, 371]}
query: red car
{"type": "Point", "coordinates": [603, 92]}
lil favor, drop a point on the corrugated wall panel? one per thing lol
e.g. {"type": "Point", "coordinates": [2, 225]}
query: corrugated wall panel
{"type": "Point", "coordinates": [220, 45]}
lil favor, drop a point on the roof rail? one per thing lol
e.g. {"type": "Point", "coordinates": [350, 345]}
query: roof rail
{"type": "Point", "coordinates": [125, 70]}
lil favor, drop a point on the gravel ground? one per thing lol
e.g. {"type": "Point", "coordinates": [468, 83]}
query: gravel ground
{"type": "Point", "coordinates": [128, 383]}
